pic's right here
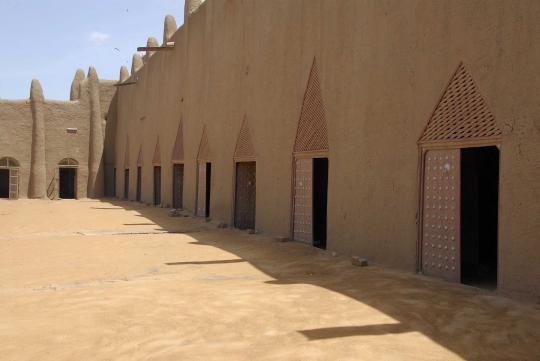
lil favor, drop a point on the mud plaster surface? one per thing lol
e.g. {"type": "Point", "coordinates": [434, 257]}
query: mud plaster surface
{"type": "Point", "coordinates": [91, 280]}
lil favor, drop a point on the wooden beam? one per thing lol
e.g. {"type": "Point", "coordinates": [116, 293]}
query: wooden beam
{"type": "Point", "coordinates": [155, 48]}
{"type": "Point", "coordinates": [127, 83]}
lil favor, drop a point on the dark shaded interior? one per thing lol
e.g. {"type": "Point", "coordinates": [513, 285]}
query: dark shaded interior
{"type": "Point", "coordinates": [4, 183]}
{"type": "Point", "coordinates": [320, 201]}
{"type": "Point", "coordinates": [245, 195]}
{"type": "Point", "coordinates": [114, 183]}
{"type": "Point", "coordinates": [139, 183]}
{"type": "Point", "coordinates": [126, 184]}
{"type": "Point", "coordinates": [178, 186]}
{"type": "Point", "coordinates": [479, 216]}
{"type": "Point", "coordinates": [208, 187]}
{"type": "Point", "coordinates": [157, 186]}
{"type": "Point", "coordinates": [67, 183]}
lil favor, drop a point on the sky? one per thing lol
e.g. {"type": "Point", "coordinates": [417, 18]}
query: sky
{"type": "Point", "coordinates": [50, 39]}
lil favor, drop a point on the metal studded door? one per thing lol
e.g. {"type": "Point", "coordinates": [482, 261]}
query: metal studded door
{"type": "Point", "coordinates": [303, 201]}
{"type": "Point", "coordinates": [14, 183]}
{"type": "Point", "coordinates": [201, 190]}
{"type": "Point", "coordinates": [178, 185]}
{"type": "Point", "coordinates": [441, 214]}
{"type": "Point", "coordinates": [244, 210]}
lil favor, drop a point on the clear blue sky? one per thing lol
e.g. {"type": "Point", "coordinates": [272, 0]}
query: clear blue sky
{"type": "Point", "coordinates": [49, 39]}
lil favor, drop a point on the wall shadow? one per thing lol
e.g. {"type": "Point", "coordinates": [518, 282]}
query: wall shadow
{"type": "Point", "coordinates": [205, 262]}
{"type": "Point", "coordinates": [350, 331]}
{"type": "Point", "coordinates": [452, 315]}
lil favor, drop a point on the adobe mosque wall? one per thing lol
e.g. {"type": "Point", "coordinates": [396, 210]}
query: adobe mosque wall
{"type": "Point", "coordinates": [383, 67]}
{"type": "Point", "coordinates": [40, 133]}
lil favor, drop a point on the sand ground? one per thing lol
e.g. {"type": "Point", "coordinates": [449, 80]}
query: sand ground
{"type": "Point", "coordinates": [95, 280]}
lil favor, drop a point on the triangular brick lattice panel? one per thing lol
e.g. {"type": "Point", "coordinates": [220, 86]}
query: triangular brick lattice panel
{"type": "Point", "coordinates": [140, 157]}
{"type": "Point", "coordinates": [178, 150]}
{"type": "Point", "coordinates": [312, 133]}
{"type": "Point", "coordinates": [126, 153]}
{"type": "Point", "coordinates": [156, 159]}
{"type": "Point", "coordinates": [462, 113]}
{"type": "Point", "coordinates": [204, 148]}
{"type": "Point", "coordinates": [244, 144]}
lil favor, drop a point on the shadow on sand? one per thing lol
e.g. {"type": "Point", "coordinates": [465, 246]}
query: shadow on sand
{"type": "Point", "coordinates": [462, 319]}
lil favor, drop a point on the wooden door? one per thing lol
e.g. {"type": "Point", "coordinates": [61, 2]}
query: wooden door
{"type": "Point", "coordinates": [441, 214]}
{"type": "Point", "coordinates": [303, 201]}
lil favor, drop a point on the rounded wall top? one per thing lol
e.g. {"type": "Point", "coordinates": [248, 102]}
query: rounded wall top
{"type": "Point", "coordinates": [36, 92]}
{"type": "Point", "coordinates": [124, 74]}
{"type": "Point", "coordinates": [191, 6]}
{"type": "Point", "coordinates": [169, 28]}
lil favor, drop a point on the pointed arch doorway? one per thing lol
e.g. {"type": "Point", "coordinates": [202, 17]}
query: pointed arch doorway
{"type": "Point", "coordinates": [245, 176]}
{"type": "Point", "coordinates": [178, 169]}
{"type": "Point", "coordinates": [310, 167]}
{"type": "Point", "coordinates": [459, 187]}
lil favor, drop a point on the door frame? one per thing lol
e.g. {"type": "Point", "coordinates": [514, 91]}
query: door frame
{"type": "Point", "coordinates": [198, 164]}
{"type": "Point", "coordinates": [173, 163]}
{"type": "Point", "coordinates": [237, 160]}
{"type": "Point", "coordinates": [12, 170]}
{"type": "Point", "coordinates": [423, 148]}
{"type": "Point", "coordinates": [154, 166]}
{"type": "Point", "coordinates": [76, 191]}
{"type": "Point", "coordinates": [303, 155]}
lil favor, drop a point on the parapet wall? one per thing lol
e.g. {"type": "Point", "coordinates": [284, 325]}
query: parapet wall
{"type": "Point", "coordinates": [40, 133]}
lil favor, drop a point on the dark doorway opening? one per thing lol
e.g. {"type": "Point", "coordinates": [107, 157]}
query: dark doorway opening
{"type": "Point", "coordinates": [126, 184]}
{"type": "Point", "coordinates": [320, 201]}
{"type": "Point", "coordinates": [139, 184]}
{"type": "Point", "coordinates": [178, 186]}
{"type": "Point", "coordinates": [208, 187]}
{"type": "Point", "coordinates": [157, 186]}
{"type": "Point", "coordinates": [479, 216]}
{"type": "Point", "coordinates": [245, 194]}
{"type": "Point", "coordinates": [4, 183]}
{"type": "Point", "coordinates": [67, 183]}
{"type": "Point", "coordinates": [114, 183]}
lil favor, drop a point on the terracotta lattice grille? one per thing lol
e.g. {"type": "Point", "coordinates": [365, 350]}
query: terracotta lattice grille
{"type": "Point", "coordinates": [462, 113]}
{"type": "Point", "coordinates": [178, 150]}
{"type": "Point", "coordinates": [312, 133]}
{"type": "Point", "coordinates": [140, 157]}
{"type": "Point", "coordinates": [204, 149]}
{"type": "Point", "coordinates": [156, 159]}
{"type": "Point", "coordinates": [244, 144]}
{"type": "Point", "coordinates": [126, 154]}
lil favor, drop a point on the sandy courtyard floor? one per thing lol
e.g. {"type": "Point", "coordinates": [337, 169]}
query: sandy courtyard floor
{"type": "Point", "coordinates": [91, 280]}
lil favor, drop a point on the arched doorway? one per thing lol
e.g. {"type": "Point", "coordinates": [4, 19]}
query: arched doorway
{"type": "Point", "coordinates": [67, 178]}
{"type": "Point", "coordinates": [9, 178]}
